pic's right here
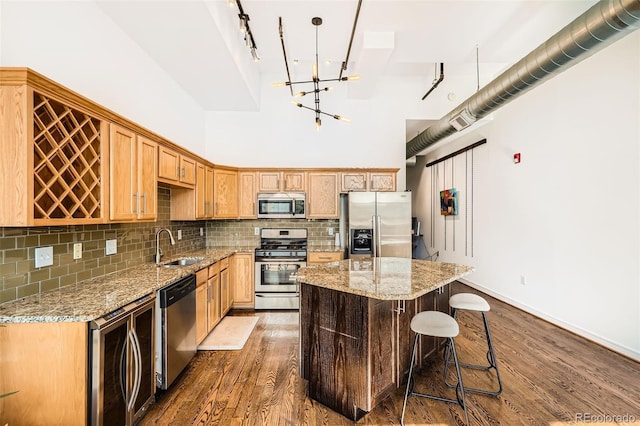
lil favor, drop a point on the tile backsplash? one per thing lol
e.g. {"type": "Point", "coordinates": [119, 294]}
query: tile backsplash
{"type": "Point", "coordinates": [136, 244]}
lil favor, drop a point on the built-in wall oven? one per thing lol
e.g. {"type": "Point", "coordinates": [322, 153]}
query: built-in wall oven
{"type": "Point", "coordinates": [122, 369]}
{"type": "Point", "coordinates": [281, 254]}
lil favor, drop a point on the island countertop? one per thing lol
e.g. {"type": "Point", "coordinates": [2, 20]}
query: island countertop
{"type": "Point", "coordinates": [385, 278]}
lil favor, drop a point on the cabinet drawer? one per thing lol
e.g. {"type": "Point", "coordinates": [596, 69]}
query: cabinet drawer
{"type": "Point", "coordinates": [323, 257]}
{"type": "Point", "coordinates": [201, 277]}
{"type": "Point", "coordinates": [224, 263]}
{"type": "Point", "coordinates": [214, 269]}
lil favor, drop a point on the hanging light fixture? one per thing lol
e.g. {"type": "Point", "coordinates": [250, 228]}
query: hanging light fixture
{"type": "Point", "coordinates": [316, 81]}
{"type": "Point", "coordinates": [246, 30]}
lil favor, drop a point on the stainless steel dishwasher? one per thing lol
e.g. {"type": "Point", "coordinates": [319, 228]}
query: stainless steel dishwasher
{"type": "Point", "coordinates": [176, 344]}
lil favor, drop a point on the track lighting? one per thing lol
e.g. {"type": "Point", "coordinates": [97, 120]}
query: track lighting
{"type": "Point", "coordinates": [315, 78]}
{"type": "Point", "coordinates": [246, 30]}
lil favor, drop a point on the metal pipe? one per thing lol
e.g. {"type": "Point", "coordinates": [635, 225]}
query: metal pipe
{"type": "Point", "coordinates": [601, 25]}
{"type": "Point", "coordinates": [438, 81]}
{"type": "Point", "coordinates": [343, 67]}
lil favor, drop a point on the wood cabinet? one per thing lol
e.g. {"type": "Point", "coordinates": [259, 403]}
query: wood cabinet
{"type": "Point", "coordinates": [204, 191]}
{"type": "Point", "coordinates": [226, 293]}
{"type": "Point", "coordinates": [214, 313]}
{"type": "Point", "coordinates": [202, 304]}
{"type": "Point", "coordinates": [175, 168]}
{"type": "Point", "coordinates": [247, 195]}
{"type": "Point", "coordinates": [242, 280]}
{"type": "Point", "coordinates": [323, 201]}
{"type": "Point", "coordinates": [54, 161]}
{"type": "Point", "coordinates": [225, 193]}
{"type": "Point", "coordinates": [276, 181]}
{"type": "Point", "coordinates": [133, 172]}
{"type": "Point", "coordinates": [47, 363]}
{"type": "Point", "coordinates": [354, 181]}
{"type": "Point", "coordinates": [317, 257]}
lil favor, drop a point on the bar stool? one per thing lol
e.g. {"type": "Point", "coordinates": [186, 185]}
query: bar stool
{"type": "Point", "coordinates": [438, 324]}
{"type": "Point", "coordinates": [473, 302]}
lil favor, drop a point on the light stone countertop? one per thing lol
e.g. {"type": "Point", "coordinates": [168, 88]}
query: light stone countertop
{"type": "Point", "coordinates": [91, 299]}
{"type": "Point", "coordinates": [386, 278]}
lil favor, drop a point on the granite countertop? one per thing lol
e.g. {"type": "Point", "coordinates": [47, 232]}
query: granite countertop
{"type": "Point", "coordinates": [94, 298]}
{"type": "Point", "coordinates": [386, 278]}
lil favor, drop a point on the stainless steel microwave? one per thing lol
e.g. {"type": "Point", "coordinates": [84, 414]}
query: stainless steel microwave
{"type": "Point", "coordinates": [281, 205]}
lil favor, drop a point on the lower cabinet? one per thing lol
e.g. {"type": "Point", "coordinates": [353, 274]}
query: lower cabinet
{"type": "Point", "coordinates": [202, 304]}
{"type": "Point", "coordinates": [214, 306]}
{"type": "Point", "coordinates": [242, 280]}
{"type": "Point", "coordinates": [47, 363]}
{"type": "Point", "coordinates": [226, 294]}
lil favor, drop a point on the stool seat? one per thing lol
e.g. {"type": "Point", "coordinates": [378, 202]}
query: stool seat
{"type": "Point", "coordinates": [434, 323]}
{"type": "Point", "coordinates": [469, 302]}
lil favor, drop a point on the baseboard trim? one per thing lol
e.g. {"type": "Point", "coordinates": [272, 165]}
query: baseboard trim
{"type": "Point", "coordinates": [602, 341]}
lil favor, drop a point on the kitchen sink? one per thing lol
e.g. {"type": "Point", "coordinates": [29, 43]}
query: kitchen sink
{"type": "Point", "coordinates": [182, 262]}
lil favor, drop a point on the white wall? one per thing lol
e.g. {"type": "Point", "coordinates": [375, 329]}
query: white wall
{"type": "Point", "coordinates": [568, 217]}
{"type": "Point", "coordinates": [77, 45]}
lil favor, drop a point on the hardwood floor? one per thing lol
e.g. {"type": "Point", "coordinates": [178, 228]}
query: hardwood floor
{"type": "Point", "coordinates": [551, 377]}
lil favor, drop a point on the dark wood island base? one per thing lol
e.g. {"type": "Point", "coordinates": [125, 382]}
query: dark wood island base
{"type": "Point", "coordinates": [355, 349]}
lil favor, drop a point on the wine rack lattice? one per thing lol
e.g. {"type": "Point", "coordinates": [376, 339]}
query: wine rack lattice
{"type": "Point", "coordinates": [66, 160]}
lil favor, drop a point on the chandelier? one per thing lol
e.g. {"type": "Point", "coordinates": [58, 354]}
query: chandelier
{"type": "Point", "coordinates": [316, 82]}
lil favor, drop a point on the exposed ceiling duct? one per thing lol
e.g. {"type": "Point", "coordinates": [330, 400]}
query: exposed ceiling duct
{"type": "Point", "coordinates": [601, 25]}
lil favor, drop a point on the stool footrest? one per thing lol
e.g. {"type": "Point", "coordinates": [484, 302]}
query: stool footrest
{"type": "Point", "coordinates": [438, 398]}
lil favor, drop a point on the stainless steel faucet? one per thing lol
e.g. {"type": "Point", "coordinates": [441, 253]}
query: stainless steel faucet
{"type": "Point", "coordinates": [158, 249]}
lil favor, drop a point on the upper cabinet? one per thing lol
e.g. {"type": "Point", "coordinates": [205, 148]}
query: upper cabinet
{"type": "Point", "coordinates": [204, 191]}
{"type": "Point", "coordinates": [322, 195]}
{"type": "Point", "coordinates": [175, 168]}
{"type": "Point", "coordinates": [225, 194]}
{"type": "Point", "coordinates": [276, 181]}
{"type": "Point", "coordinates": [53, 168]}
{"type": "Point", "coordinates": [133, 171]}
{"type": "Point", "coordinates": [362, 180]}
{"type": "Point", "coordinates": [247, 195]}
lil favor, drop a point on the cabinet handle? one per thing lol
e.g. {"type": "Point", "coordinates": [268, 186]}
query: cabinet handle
{"type": "Point", "coordinates": [401, 308]}
{"type": "Point", "coordinates": [178, 171]}
{"type": "Point", "coordinates": [134, 204]}
{"type": "Point", "coordinates": [184, 171]}
{"type": "Point", "coordinates": [137, 369]}
{"type": "Point", "coordinates": [144, 203]}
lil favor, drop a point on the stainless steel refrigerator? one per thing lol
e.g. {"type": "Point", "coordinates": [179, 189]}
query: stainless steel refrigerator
{"type": "Point", "coordinates": [378, 225]}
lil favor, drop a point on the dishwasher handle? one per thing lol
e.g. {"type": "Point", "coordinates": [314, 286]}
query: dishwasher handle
{"type": "Point", "coordinates": [177, 291]}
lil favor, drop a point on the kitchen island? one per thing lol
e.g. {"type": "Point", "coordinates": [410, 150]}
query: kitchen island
{"type": "Point", "coordinates": [355, 340]}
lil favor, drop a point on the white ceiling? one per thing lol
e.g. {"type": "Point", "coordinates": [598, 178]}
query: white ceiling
{"type": "Point", "coordinates": [198, 44]}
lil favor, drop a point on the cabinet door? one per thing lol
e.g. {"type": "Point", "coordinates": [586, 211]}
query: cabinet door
{"type": "Point", "coordinates": [213, 313]}
{"type": "Point", "coordinates": [168, 164]}
{"type": "Point", "coordinates": [202, 301]}
{"type": "Point", "coordinates": [353, 181]}
{"type": "Point", "coordinates": [208, 192]}
{"type": "Point", "coordinates": [294, 181]}
{"type": "Point", "coordinates": [225, 291]}
{"type": "Point", "coordinates": [187, 170]}
{"type": "Point", "coordinates": [123, 173]}
{"type": "Point", "coordinates": [147, 179]}
{"type": "Point", "coordinates": [201, 190]}
{"type": "Point", "coordinates": [144, 327]}
{"type": "Point", "coordinates": [269, 181]}
{"type": "Point", "coordinates": [225, 193]}
{"type": "Point", "coordinates": [247, 195]}
{"type": "Point", "coordinates": [322, 195]}
{"type": "Point", "coordinates": [242, 280]}
{"type": "Point", "coordinates": [382, 181]}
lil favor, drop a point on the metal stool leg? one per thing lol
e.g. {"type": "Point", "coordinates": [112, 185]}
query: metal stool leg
{"type": "Point", "coordinates": [406, 392]}
{"type": "Point", "coordinates": [491, 359]}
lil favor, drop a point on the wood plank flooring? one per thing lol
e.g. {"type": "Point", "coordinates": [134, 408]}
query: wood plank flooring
{"type": "Point", "coordinates": [550, 377]}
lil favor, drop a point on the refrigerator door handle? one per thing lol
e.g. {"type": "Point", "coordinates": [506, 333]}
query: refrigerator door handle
{"type": "Point", "coordinates": [374, 244]}
{"type": "Point", "coordinates": [378, 237]}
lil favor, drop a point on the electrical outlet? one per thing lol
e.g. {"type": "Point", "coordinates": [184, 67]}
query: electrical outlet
{"type": "Point", "coordinates": [179, 234]}
{"type": "Point", "coordinates": [201, 232]}
{"type": "Point", "coordinates": [330, 231]}
{"type": "Point", "coordinates": [111, 247]}
{"type": "Point", "coordinates": [523, 280]}
{"type": "Point", "coordinates": [77, 251]}
{"type": "Point", "coordinates": [256, 231]}
{"type": "Point", "coordinates": [44, 256]}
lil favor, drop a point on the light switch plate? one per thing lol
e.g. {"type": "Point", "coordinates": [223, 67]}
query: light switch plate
{"type": "Point", "coordinates": [77, 251]}
{"type": "Point", "coordinates": [179, 234]}
{"type": "Point", "coordinates": [330, 231]}
{"type": "Point", "coordinates": [201, 232]}
{"type": "Point", "coordinates": [44, 256]}
{"type": "Point", "coordinates": [111, 247]}
{"type": "Point", "coordinates": [256, 231]}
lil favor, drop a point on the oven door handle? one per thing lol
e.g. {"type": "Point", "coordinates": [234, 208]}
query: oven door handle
{"type": "Point", "coordinates": [274, 295]}
{"type": "Point", "coordinates": [281, 260]}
